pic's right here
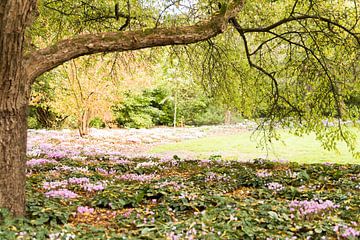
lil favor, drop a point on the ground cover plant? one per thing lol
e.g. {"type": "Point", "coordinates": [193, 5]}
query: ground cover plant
{"type": "Point", "coordinates": [79, 191]}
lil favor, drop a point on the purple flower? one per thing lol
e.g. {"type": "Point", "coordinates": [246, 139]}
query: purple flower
{"type": "Point", "coordinates": [55, 184]}
{"type": "Point", "coordinates": [346, 231]}
{"type": "Point", "coordinates": [56, 155]}
{"type": "Point", "coordinates": [61, 193]}
{"type": "Point", "coordinates": [263, 174]}
{"type": "Point", "coordinates": [146, 164]}
{"type": "Point", "coordinates": [276, 187]}
{"type": "Point", "coordinates": [94, 187]}
{"type": "Point", "coordinates": [166, 159]}
{"type": "Point", "coordinates": [216, 177]}
{"type": "Point", "coordinates": [204, 162]}
{"type": "Point", "coordinates": [308, 208]}
{"type": "Point", "coordinates": [127, 213]}
{"type": "Point", "coordinates": [85, 210]}
{"type": "Point", "coordinates": [72, 169]}
{"type": "Point", "coordinates": [79, 181]}
{"type": "Point", "coordinates": [137, 177]}
{"type": "Point", "coordinates": [102, 171]}
{"type": "Point", "coordinates": [40, 161]}
{"type": "Point", "coordinates": [173, 236]}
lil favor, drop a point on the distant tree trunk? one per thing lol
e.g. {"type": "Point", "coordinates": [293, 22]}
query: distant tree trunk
{"type": "Point", "coordinates": [83, 123]}
{"type": "Point", "coordinates": [14, 97]}
{"type": "Point", "coordinates": [228, 117]}
{"type": "Point", "coordinates": [175, 110]}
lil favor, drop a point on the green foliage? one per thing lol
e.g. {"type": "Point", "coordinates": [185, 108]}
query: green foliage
{"type": "Point", "coordinates": [138, 110]}
{"type": "Point", "coordinates": [41, 113]}
{"type": "Point", "coordinates": [44, 117]}
{"type": "Point", "coordinates": [205, 199]}
{"type": "Point", "coordinates": [97, 123]}
{"type": "Point", "coordinates": [33, 123]}
{"type": "Point", "coordinates": [156, 107]}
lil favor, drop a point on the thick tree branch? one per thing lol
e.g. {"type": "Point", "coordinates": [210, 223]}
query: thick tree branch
{"type": "Point", "coordinates": [46, 59]}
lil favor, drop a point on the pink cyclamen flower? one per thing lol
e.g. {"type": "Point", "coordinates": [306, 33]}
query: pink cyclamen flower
{"type": "Point", "coordinates": [311, 207]}
{"type": "Point", "coordinates": [82, 180]}
{"type": "Point", "coordinates": [55, 184]}
{"type": "Point", "coordinates": [85, 210]}
{"type": "Point", "coordinates": [61, 193]}
{"type": "Point", "coordinates": [40, 161]}
{"type": "Point", "coordinates": [275, 186]}
{"type": "Point", "coordinates": [94, 187]}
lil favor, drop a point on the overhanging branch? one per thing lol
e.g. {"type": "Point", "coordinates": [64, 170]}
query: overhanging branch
{"type": "Point", "coordinates": [46, 59]}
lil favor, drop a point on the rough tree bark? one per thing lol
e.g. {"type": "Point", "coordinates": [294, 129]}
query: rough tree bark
{"type": "Point", "coordinates": [14, 96]}
{"type": "Point", "coordinates": [18, 71]}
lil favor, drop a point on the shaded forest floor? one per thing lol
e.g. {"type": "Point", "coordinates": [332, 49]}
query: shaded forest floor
{"type": "Point", "coordinates": [86, 189]}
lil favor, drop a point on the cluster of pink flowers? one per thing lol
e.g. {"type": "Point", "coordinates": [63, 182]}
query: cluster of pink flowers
{"type": "Point", "coordinates": [274, 186]}
{"type": "Point", "coordinates": [306, 208]}
{"type": "Point", "coordinates": [127, 213]}
{"type": "Point", "coordinates": [61, 193]}
{"type": "Point", "coordinates": [86, 185]}
{"type": "Point", "coordinates": [169, 160]}
{"type": "Point", "coordinates": [204, 162]}
{"type": "Point", "coordinates": [98, 186]}
{"type": "Point", "coordinates": [346, 231]}
{"type": "Point", "coordinates": [56, 155]}
{"type": "Point", "coordinates": [83, 182]}
{"type": "Point", "coordinates": [191, 233]}
{"type": "Point", "coordinates": [173, 236]}
{"type": "Point", "coordinates": [216, 177]}
{"type": "Point", "coordinates": [40, 161]}
{"type": "Point", "coordinates": [146, 164]}
{"type": "Point", "coordinates": [72, 169]}
{"type": "Point", "coordinates": [173, 184]}
{"type": "Point", "coordinates": [79, 181]}
{"type": "Point", "coordinates": [263, 174]}
{"type": "Point", "coordinates": [61, 235]}
{"type": "Point", "coordinates": [85, 210]}
{"type": "Point", "coordinates": [137, 177]}
{"type": "Point", "coordinates": [55, 184]}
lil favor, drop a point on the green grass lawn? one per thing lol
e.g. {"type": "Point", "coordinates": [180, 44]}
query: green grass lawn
{"type": "Point", "coordinates": [245, 146]}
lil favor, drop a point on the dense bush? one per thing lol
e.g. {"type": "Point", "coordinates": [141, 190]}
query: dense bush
{"type": "Point", "coordinates": [44, 117]}
{"type": "Point", "coordinates": [139, 110]}
{"type": "Point", "coordinates": [157, 106]}
{"type": "Point", "coordinates": [97, 123]}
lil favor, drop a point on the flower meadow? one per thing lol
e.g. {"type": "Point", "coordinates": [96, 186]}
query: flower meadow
{"type": "Point", "coordinates": [83, 191]}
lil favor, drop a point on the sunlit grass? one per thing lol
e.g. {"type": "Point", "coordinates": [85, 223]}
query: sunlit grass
{"type": "Point", "coordinates": [246, 146]}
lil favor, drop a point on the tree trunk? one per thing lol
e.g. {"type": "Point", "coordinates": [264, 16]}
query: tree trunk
{"type": "Point", "coordinates": [14, 95]}
{"type": "Point", "coordinates": [83, 123]}
{"type": "Point", "coordinates": [13, 127]}
{"type": "Point", "coordinates": [228, 117]}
